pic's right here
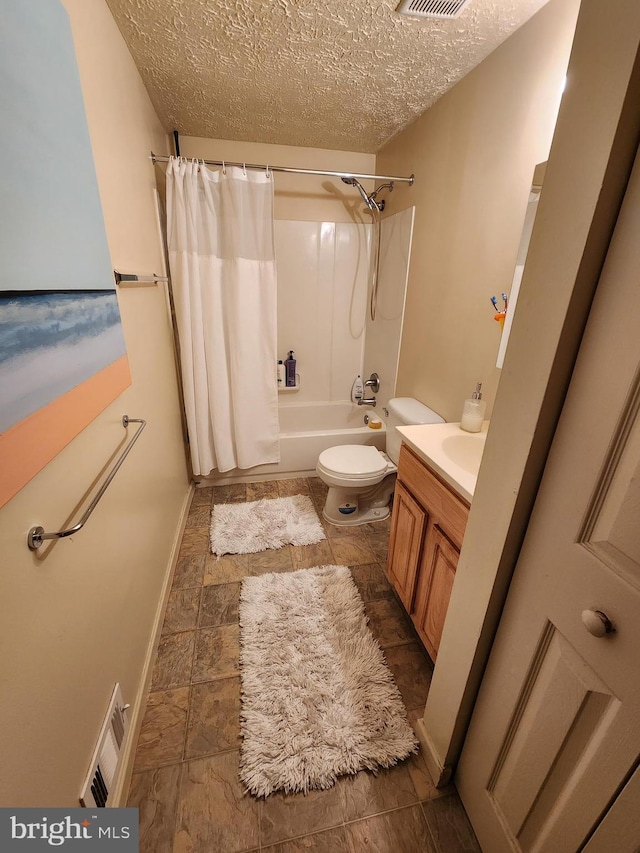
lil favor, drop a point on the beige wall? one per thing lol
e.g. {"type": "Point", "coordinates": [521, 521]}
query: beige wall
{"type": "Point", "coordinates": [473, 154]}
{"type": "Point", "coordinates": [79, 616]}
{"type": "Point", "coordinates": [299, 197]}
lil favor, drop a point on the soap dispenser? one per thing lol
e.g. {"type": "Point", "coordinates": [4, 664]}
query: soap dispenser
{"type": "Point", "coordinates": [473, 411]}
{"type": "Point", "coordinates": [357, 389]}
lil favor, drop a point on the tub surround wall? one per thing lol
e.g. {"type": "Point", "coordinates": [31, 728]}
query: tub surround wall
{"type": "Point", "coordinates": [80, 615]}
{"type": "Point", "coordinates": [323, 270]}
{"type": "Point", "coordinates": [382, 337]}
{"type": "Point", "coordinates": [473, 154]}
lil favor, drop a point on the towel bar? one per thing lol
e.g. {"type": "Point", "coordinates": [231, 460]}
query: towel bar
{"type": "Point", "coordinates": [37, 535]}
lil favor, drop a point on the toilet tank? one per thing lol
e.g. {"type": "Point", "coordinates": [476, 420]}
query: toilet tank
{"type": "Point", "coordinates": [402, 412]}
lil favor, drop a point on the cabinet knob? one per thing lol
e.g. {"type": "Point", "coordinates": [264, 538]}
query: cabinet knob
{"type": "Point", "coordinates": [597, 623]}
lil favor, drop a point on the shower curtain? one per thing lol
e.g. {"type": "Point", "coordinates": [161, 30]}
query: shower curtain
{"type": "Point", "coordinates": [221, 254]}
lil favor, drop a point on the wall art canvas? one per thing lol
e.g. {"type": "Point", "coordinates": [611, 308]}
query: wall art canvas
{"type": "Point", "coordinates": [62, 349]}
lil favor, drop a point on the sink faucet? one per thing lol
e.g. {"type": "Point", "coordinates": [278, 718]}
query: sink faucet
{"type": "Point", "coordinates": [367, 401]}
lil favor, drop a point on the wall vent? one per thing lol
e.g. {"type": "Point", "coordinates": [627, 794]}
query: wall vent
{"type": "Point", "coordinates": [105, 762]}
{"type": "Point", "coordinates": [432, 8]}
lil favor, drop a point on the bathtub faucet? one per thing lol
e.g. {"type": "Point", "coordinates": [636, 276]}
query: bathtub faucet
{"type": "Point", "coordinates": [367, 401]}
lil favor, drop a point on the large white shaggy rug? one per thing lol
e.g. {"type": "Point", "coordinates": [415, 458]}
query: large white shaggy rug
{"type": "Point", "coordinates": [318, 700]}
{"type": "Point", "coordinates": [246, 528]}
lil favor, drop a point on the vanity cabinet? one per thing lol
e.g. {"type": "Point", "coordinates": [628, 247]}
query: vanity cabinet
{"type": "Point", "coordinates": [427, 528]}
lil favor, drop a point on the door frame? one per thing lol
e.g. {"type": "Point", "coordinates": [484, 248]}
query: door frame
{"type": "Point", "coordinates": [592, 153]}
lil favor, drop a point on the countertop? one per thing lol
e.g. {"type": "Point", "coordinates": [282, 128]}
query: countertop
{"type": "Point", "coordinates": [450, 451]}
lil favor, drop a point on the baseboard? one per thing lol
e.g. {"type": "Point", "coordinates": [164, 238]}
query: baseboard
{"type": "Point", "coordinates": [121, 791]}
{"type": "Point", "coordinates": [440, 773]}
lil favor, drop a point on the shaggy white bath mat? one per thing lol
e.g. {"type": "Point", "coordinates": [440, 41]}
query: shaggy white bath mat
{"type": "Point", "coordinates": [247, 528]}
{"type": "Point", "coordinates": [318, 700]}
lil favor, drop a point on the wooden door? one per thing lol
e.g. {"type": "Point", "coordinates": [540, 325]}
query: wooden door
{"type": "Point", "coordinates": [405, 544]}
{"type": "Point", "coordinates": [554, 741]}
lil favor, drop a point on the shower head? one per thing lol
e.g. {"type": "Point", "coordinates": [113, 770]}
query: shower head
{"type": "Point", "coordinates": [369, 200]}
{"type": "Point", "coordinates": [355, 183]}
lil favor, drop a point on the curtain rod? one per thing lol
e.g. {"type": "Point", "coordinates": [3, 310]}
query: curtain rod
{"type": "Point", "coordinates": [156, 158]}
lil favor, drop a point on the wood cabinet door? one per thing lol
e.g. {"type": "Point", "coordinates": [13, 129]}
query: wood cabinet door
{"type": "Point", "coordinates": [405, 544]}
{"type": "Point", "coordinates": [439, 566]}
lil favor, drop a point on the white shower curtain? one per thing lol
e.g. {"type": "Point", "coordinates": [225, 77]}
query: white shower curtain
{"type": "Point", "coordinates": [222, 259]}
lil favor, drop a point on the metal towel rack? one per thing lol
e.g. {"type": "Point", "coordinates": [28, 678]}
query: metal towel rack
{"type": "Point", "coordinates": [37, 535]}
{"type": "Point", "coordinates": [133, 278]}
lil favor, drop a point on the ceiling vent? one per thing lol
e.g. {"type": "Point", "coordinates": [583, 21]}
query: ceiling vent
{"type": "Point", "coordinates": [432, 8]}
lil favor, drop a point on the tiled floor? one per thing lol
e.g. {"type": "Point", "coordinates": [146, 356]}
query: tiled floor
{"type": "Point", "coordinates": [185, 779]}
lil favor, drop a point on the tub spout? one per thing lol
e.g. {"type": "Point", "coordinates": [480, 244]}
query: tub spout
{"type": "Point", "coordinates": [367, 401]}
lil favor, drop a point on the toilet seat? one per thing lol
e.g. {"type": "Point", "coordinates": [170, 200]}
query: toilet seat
{"type": "Point", "coordinates": [353, 465]}
{"type": "Point", "coordinates": [353, 460]}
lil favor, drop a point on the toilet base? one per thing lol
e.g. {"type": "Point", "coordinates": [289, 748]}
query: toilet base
{"type": "Point", "coordinates": [346, 507]}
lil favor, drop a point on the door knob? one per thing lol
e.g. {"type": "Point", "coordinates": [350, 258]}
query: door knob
{"type": "Point", "coordinates": [597, 623]}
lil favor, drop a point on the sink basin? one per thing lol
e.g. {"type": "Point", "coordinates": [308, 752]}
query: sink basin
{"type": "Point", "coordinates": [453, 454]}
{"type": "Point", "coordinates": [465, 449]}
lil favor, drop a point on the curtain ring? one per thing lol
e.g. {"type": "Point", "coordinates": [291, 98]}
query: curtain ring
{"type": "Point", "coordinates": [268, 172]}
{"type": "Point", "coordinates": [244, 169]}
{"type": "Point", "coordinates": [224, 168]}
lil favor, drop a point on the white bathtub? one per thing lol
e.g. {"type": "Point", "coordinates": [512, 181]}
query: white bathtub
{"type": "Point", "coordinates": [306, 429]}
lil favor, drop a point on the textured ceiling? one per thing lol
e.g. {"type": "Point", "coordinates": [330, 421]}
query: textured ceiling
{"type": "Point", "coordinates": [345, 74]}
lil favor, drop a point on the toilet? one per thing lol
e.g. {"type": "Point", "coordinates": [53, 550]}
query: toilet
{"type": "Point", "coordinates": [360, 477]}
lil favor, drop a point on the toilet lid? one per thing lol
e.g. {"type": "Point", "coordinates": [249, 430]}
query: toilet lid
{"type": "Point", "coordinates": [353, 460]}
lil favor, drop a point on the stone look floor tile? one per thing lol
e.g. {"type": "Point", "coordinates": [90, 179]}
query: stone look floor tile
{"type": "Point", "coordinates": [371, 581]}
{"type": "Point", "coordinates": [449, 825]}
{"type": "Point", "coordinates": [226, 569]}
{"type": "Point", "coordinates": [284, 816]}
{"type": "Point", "coordinates": [306, 556]}
{"type": "Point", "coordinates": [202, 497]}
{"type": "Point", "coordinates": [173, 663]}
{"type": "Point", "coordinates": [260, 491]}
{"type": "Point", "coordinates": [330, 841]}
{"type": "Point", "coordinates": [341, 531]}
{"type": "Point", "coordinates": [219, 605]}
{"type": "Point", "coordinates": [182, 610]}
{"type": "Point", "coordinates": [214, 718]}
{"type": "Point", "coordinates": [401, 831]}
{"type": "Point", "coordinates": [189, 572]}
{"type": "Point", "coordinates": [195, 541]}
{"type": "Point", "coordinates": [411, 672]}
{"type": "Point", "coordinates": [155, 794]}
{"type": "Point", "coordinates": [379, 547]}
{"type": "Point", "coordinates": [273, 560]}
{"type": "Point", "coordinates": [388, 622]}
{"type": "Point", "coordinates": [232, 494]}
{"type": "Point", "coordinates": [217, 653]}
{"type": "Point", "coordinates": [294, 486]}
{"type": "Point", "coordinates": [199, 516]}
{"type": "Point", "coordinates": [214, 814]}
{"type": "Point", "coordinates": [163, 728]}
{"type": "Point", "coordinates": [352, 550]}
{"type": "Point", "coordinates": [367, 794]}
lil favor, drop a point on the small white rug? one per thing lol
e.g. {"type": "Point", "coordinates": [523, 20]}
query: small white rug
{"type": "Point", "coordinates": [318, 700]}
{"type": "Point", "coordinates": [246, 528]}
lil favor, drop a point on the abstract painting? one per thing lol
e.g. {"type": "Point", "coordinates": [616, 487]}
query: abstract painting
{"type": "Point", "coordinates": [62, 349]}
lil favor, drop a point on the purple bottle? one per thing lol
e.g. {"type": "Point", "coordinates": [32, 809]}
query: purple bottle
{"type": "Point", "coordinates": [290, 371]}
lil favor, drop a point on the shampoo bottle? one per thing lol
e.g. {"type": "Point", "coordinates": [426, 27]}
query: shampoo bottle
{"type": "Point", "coordinates": [280, 374]}
{"type": "Point", "coordinates": [290, 370]}
{"type": "Point", "coordinates": [473, 411]}
{"type": "Point", "coordinates": [357, 389]}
